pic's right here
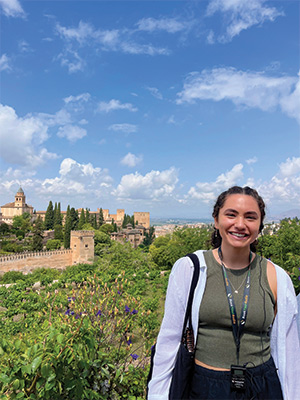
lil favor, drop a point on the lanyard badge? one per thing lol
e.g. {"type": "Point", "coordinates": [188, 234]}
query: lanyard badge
{"type": "Point", "coordinates": [238, 373]}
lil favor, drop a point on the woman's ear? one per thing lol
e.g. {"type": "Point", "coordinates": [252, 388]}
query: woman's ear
{"type": "Point", "coordinates": [216, 223]}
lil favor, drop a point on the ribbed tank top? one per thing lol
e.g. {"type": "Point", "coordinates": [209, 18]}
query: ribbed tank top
{"type": "Point", "coordinates": [215, 342]}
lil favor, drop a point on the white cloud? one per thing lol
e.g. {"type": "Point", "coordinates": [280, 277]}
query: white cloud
{"type": "Point", "coordinates": [131, 160]}
{"type": "Point", "coordinates": [251, 89]}
{"type": "Point", "coordinates": [208, 191]}
{"type": "Point", "coordinates": [155, 93]}
{"type": "Point", "coordinates": [71, 132]}
{"type": "Point", "coordinates": [126, 128]}
{"type": "Point", "coordinates": [240, 15]}
{"type": "Point", "coordinates": [72, 60]}
{"type": "Point", "coordinates": [155, 185]}
{"type": "Point", "coordinates": [170, 25]}
{"type": "Point", "coordinates": [22, 139]}
{"type": "Point", "coordinates": [5, 63]}
{"type": "Point", "coordinates": [84, 97]}
{"type": "Point", "coordinates": [290, 104]}
{"type": "Point", "coordinates": [12, 8]}
{"type": "Point", "coordinates": [113, 105]}
{"type": "Point", "coordinates": [106, 40]}
{"type": "Point", "coordinates": [283, 187]}
{"type": "Point", "coordinates": [252, 160]}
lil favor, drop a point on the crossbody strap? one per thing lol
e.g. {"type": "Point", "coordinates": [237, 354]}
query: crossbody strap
{"type": "Point", "coordinates": [188, 313]}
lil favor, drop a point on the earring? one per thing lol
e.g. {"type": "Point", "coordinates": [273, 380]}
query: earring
{"type": "Point", "coordinates": [216, 232]}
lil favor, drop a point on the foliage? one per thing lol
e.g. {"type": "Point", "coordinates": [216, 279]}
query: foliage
{"type": "Point", "coordinates": [37, 241]}
{"type": "Point", "coordinates": [58, 232]}
{"type": "Point", "coordinates": [67, 229]}
{"type": "Point", "coordinates": [49, 217]}
{"type": "Point", "coordinates": [101, 218]}
{"type": "Point", "coordinates": [106, 228]}
{"type": "Point", "coordinates": [166, 250]}
{"type": "Point", "coordinates": [94, 349]}
{"type": "Point", "coordinates": [4, 228]}
{"type": "Point", "coordinates": [81, 221]}
{"type": "Point", "coordinates": [53, 244]}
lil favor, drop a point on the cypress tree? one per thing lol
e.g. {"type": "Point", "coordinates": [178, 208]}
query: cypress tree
{"type": "Point", "coordinates": [74, 219]}
{"type": "Point", "coordinates": [101, 218]}
{"type": "Point", "coordinates": [81, 219]}
{"type": "Point", "coordinates": [68, 228]}
{"type": "Point", "coordinates": [49, 217]}
{"type": "Point", "coordinates": [87, 216]}
{"type": "Point", "coordinates": [94, 221]}
{"type": "Point", "coordinates": [37, 240]}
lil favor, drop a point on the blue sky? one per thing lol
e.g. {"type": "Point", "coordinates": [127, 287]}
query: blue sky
{"type": "Point", "coordinates": [149, 105]}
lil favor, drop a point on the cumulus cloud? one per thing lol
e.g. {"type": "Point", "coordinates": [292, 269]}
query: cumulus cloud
{"type": "Point", "coordinates": [251, 89]}
{"type": "Point", "coordinates": [131, 160]}
{"type": "Point", "coordinates": [23, 138]}
{"type": "Point", "coordinates": [208, 191]}
{"type": "Point", "coordinates": [5, 63]}
{"type": "Point", "coordinates": [71, 132]}
{"type": "Point", "coordinates": [12, 8]}
{"type": "Point", "coordinates": [155, 185]}
{"type": "Point", "coordinates": [113, 105]}
{"type": "Point", "coordinates": [240, 15]}
{"type": "Point", "coordinates": [284, 186]}
{"type": "Point", "coordinates": [24, 46]}
{"type": "Point", "coordinates": [126, 128]}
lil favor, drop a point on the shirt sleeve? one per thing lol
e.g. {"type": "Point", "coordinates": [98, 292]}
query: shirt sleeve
{"type": "Point", "coordinates": [169, 336]}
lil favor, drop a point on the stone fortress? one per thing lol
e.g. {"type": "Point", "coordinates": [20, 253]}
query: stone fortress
{"type": "Point", "coordinates": [19, 207]}
{"type": "Point", "coordinates": [82, 242]}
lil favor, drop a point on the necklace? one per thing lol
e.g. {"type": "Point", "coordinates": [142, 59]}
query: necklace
{"type": "Point", "coordinates": [236, 290]}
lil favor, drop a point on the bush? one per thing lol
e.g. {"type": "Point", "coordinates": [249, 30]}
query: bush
{"type": "Point", "coordinates": [53, 244]}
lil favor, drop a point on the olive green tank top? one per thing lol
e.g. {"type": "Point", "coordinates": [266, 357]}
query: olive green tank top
{"type": "Point", "coordinates": [215, 342]}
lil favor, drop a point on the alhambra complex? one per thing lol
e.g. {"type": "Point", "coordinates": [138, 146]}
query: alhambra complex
{"type": "Point", "coordinates": [19, 207]}
{"type": "Point", "coordinates": [81, 244]}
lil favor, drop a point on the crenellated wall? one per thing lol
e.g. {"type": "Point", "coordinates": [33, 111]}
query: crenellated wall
{"type": "Point", "coordinates": [27, 262]}
{"type": "Point", "coordinates": [81, 251]}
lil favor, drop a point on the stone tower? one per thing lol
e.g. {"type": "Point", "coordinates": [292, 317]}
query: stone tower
{"type": "Point", "coordinates": [82, 245]}
{"type": "Point", "coordinates": [20, 199]}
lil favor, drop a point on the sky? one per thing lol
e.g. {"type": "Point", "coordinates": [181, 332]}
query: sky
{"type": "Point", "coordinates": [149, 105]}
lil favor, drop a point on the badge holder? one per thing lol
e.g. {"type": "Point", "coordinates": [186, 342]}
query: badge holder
{"type": "Point", "coordinates": [238, 378]}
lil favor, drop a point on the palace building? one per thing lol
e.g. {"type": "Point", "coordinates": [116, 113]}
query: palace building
{"type": "Point", "coordinates": [17, 207]}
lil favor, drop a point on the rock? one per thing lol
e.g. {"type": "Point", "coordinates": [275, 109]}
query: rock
{"type": "Point", "coordinates": [3, 309]}
{"type": "Point", "coordinates": [36, 286]}
{"type": "Point", "coordinates": [18, 317]}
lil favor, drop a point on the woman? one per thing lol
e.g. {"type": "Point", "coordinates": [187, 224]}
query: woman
{"type": "Point", "coordinates": [261, 361]}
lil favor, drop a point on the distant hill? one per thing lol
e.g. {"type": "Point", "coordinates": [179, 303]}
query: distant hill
{"type": "Point", "coordinates": [286, 214]}
{"type": "Point", "coordinates": [179, 221]}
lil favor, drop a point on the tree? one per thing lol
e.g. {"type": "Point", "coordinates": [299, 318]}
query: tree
{"type": "Point", "coordinates": [57, 216]}
{"type": "Point", "coordinates": [21, 224]}
{"type": "Point", "coordinates": [94, 221]}
{"type": "Point", "coordinates": [53, 244]}
{"type": "Point", "coordinates": [67, 229]}
{"type": "Point", "coordinates": [4, 228]}
{"type": "Point", "coordinates": [101, 218]}
{"type": "Point", "coordinates": [149, 237]}
{"type": "Point", "coordinates": [81, 219]}
{"type": "Point", "coordinates": [74, 219]}
{"type": "Point", "coordinates": [87, 216]}
{"type": "Point", "coordinates": [106, 228]}
{"type": "Point", "coordinates": [58, 232]}
{"type": "Point", "coordinates": [49, 217]}
{"type": "Point", "coordinates": [37, 240]}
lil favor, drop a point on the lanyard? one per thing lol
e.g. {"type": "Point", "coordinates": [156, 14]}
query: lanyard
{"type": "Point", "coordinates": [237, 328]}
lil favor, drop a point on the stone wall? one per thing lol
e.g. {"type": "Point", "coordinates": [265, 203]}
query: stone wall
{"type": "Point", "coordinates": [27, 262]}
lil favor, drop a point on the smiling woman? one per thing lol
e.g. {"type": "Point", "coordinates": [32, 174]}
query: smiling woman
{"type": "Point", "coordinates": [243, 314]}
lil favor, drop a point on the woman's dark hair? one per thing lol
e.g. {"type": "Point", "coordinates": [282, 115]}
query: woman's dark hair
{"type": "Point", "coordinates": [216, 239]}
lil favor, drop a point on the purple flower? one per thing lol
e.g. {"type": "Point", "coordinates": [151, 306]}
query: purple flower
{"type": "Point", "coordinates": [119, 292]}
{"type": "Point", "coordinates": [99, 313]}
{"type": "Point", "coordinates": [134, 311]}
{"type": "Point", "coordinates": [127, 309]}
{"type": "Point", "coordinates": [67, 312]}
{"type": "Point", "coordinates": [134, 356]}
{"type": "Point", "coordinates": [129, 342]}
{"type": "Point", "coordinates": [71, 299]}
{"type": "Point", "coordinates": [72, 313]}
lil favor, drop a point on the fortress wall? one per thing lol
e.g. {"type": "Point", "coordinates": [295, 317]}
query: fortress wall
{"type": "Point", "coordinates": [27, 262]}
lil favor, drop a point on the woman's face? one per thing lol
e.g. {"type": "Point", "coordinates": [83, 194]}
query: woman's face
{"type": "Point", "coordinates": [238, 221]}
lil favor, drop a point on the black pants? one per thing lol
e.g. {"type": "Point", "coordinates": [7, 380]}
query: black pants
{"type": "Point", "coordinates": [262, 384]}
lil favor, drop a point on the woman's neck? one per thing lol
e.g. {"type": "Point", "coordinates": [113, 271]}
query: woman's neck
{"type": "Point", "coordinates": [234, 258]}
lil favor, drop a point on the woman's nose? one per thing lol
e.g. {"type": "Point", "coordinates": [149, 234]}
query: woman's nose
{"type": "Point", "coordinates": [240, 223]}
